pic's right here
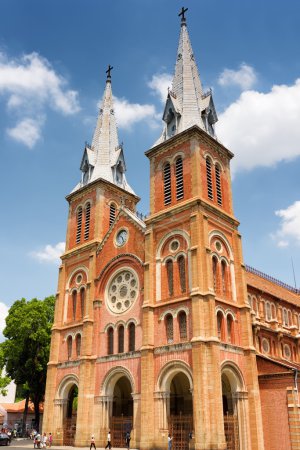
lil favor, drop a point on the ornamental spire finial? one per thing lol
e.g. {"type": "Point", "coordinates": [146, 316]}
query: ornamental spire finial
{"type": "Point", "coordinates": [182, 12]}
{"type": "Point", "coordinates": [109, 69]}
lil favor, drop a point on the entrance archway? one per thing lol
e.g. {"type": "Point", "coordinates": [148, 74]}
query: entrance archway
{"type": "Point", "coordinates": [70, 417]}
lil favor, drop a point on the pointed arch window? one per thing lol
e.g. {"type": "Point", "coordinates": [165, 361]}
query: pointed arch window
{"type": "Point", "coordinates": [230, 336]}
{"type": "Point", "coordinates": [112, 213]}
{"type": "Point", "coordinates": [69, 346]}
{"type": "Point", "coordinates": [169, 328]}
{"type": "Point", "coordinates": [182, 274]}
{"type": "Point", "coordinates": [82, 301]}
{"type": "Point", "coordinates": [209, 179]}
{"type": "Point", "coordinates": [218, 184]}
{"type": "Point", "coordinates": [179, 178]}
{"type": "Point", "coordinates": [224, 277]}
{"type": "Point", "coordinates": [79, 225]}
{"type": "Point", "coordinates": [87, 221]}
{"type": "Point", "coordinates": [167, 184]}
{"type": "Point", "coordinates": [131, 337]}
{"type": "Point", "coordinates": [220, 325]}
{"type": "Point", "coordinates": [78, 344]}
{"type": "Point", "coordinates": [182, 325]}
{"type": "Point", "coordinates": [215, 272]}
{"type": "Point", "coordinates": [121, 339]}
{"type": "Point", "coordinates": [110, 341]}
{"type": "Point", "coordinates": [74, 303]}
{"type": "Point", "coordinates": [170, 276]}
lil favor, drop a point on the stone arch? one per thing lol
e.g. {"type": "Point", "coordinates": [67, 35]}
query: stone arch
{"type": "Point", "coordinates": [66, 384]}
{"type": "Point", "coordinates": [112, 377]}
{"type": "Point", "coordinates": [168, 372]}
{"type": "Point", "coordinates": [234, 375]}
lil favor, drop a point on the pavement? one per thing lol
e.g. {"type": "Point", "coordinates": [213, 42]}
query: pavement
{"type": "Point", "coordinates": [20, 443]}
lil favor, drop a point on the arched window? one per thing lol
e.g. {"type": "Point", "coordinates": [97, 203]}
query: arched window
{"type": "Point", "coordinates": [230, 335]}
{"type": "Point", "coordinates": [79, 225]}
{"type": "Point", "coordinates": [285, 318]}
{"type": "Point", "coordinates": [82, 301]}
{"type": "Point", "coordinates": [218, 184]}
{"type": "Point", "coordinates": [167, 184]}
{"type": "Point", "coordinates": [169, 266]}
{"type": "Point", "coordinates": [220, 325]}
{"type": "Point", "coordinates": [290, 320]}
{"type": "Point", "coordinates": [169, 328]}
{"type": "Point", "coordinates": [273, 311]}
{"type": "Point", "coordinates": [78, 344]}
{"type": "Point", "coordinates": [268, 311]}
{"type": "Point", "coordinates": [209, 179]}
{"type": "Point", "coordinates": [181, 269]}
{"type": "Point", "coordinates": [215, 272]}
{"type": "Point", "coordinates": [179, 178]}
{"type": "Point", "coordinates": [69, 347]}
{"type": "Point", "coordinates": [131, 337]}
{"type": "Point", "coordinates": [112, 213]}
{"type": "Point", "coordinates": [110, 341]}
{"type": "Point", "coordinates": [74, 303]}
{"type": "Point", "coordinates": [87, 221]}
{"type": "Point", "coordinates": [224, 277]}
{"type": "Point", "coordinates": [121, 339]}
{"type": "Point", "coordinates": [182, 325]}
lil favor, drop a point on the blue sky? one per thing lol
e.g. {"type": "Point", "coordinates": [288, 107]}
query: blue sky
{"type": "Point", "coordinates": [53, 57]}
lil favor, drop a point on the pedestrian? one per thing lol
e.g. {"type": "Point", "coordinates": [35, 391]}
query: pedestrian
{"type": "Point", "coordinates": [108, 445]}
{"type": "Point", "coordinates": [50, 439]}
{"type": "Point", "coordinates": [45, 439]}
{"type": "Point", "coordinates": [127, 439]}
{"type": "Point", "coordinates": [93, 442]}
{"type": "Point", "coordinates": [170, 441]}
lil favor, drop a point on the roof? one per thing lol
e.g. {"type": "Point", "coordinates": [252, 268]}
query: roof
{"type": "Point", "coordinates": [19, 407]}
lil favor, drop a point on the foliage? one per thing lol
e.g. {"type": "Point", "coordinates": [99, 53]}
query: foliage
{"type": "Point", "coordinates": [27, 345]}
{"type": "Point", "coordinates": [4, 379]}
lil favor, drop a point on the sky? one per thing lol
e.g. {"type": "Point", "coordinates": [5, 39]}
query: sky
{"type": "Point", "coordinates": [53, 58]}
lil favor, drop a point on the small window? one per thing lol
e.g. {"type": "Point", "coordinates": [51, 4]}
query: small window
{"type": "Point", "coordinates": [224, 277]}
{"type": "Point", "coordinates": [169, 328]}
{"type": "Point", "coordinates": [230, 329]}
{"type": "Point", "coordinates": [215, 274]}
{"type": "Point", "coordinates": [131, 333]}
{"type": "Point", "coordinates": [167, 184]}
{"type": "Point", "coordinates": [87, 221]}
{"type": "Point", "coordinates": [78, 344]}
{"type": "Point", "coordinates": [169, 266]}
{"type": "Point", "coordinates": [82, 301]}
{"type": "Point", "coordinates": [121, 339]}
{"type": "Point", "coordinates": [182, 325]}
{"type": "Point", "coordinates": [112, 214]}
{"type": "Point", "coordinates": [209, 179]}
{"type": "Point", "coordinates": [285, 318]}
{"type": "Point", "coordinates": [220, 325]}
{"type": "Point", "coordinates": [182, 276]}
{"type": "Point", "coordinates": [218, 184]}
{"type": "Point", "coordinates": [179, 178]}
{"type": "Point", "coordinates": [74, 303]}
{"type": "Point", "coordinates": [110, 341]}
{"type": "Point", "coordinates": [268, 311]}
{"type": "Point", "coordinates": [79, 225]}
{"type": "Point", "coordinates": [69, 347]}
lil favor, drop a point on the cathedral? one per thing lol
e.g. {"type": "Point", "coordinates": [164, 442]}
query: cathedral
{"type": "Point", "coordinates": [159, 325]}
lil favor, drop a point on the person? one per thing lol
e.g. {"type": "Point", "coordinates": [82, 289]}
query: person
{"type": "Point", "coordinates": [37, 441]}
{"type": "Point", "coordinates": [50, 439]}
{"type": "Point", "coordinates": [108, 445]}
{"type": "Point", "coordinates": [93, 442]}
{"type": "Point", "coordinates": [169, 441]}
{"type": "Point", "coordinates": [45, 439]}
{"type": "Point", "coordinates": [127, 439]}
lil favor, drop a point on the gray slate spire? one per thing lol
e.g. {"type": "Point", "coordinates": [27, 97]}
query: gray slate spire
{"type": "Point", "coordinates": [186, 103]}
{"type": "Point", "coordinates": [105, 158]}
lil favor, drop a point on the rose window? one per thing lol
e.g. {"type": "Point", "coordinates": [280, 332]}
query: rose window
{"type": "Point", "coordinates": [122, 291]}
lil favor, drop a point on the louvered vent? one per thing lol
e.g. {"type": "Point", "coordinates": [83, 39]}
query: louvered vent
{"type": "Point", "coordinates": [209, 179]}
{"type": "Point", "coordinates": [87, 221]}
{"type": "Point", "coordinates": [167, 184]}
{"type": "Point", "coordinates": [79, 225]}
{"type": "Point", "coordinates": [179, 179]}
{"type": "Point", "coordinates": [218, 186]}
{"type": "Point", "coordinates": [112, 214]}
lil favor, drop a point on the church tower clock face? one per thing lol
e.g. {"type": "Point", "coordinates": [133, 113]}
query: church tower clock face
{"type": "Point", "coordinates": [122, 291]}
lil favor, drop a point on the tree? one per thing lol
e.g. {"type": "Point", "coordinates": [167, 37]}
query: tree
{"type": "Point", "coordinates": [4, 379]}
{"type": "Point", "coordinates": [27, 345]}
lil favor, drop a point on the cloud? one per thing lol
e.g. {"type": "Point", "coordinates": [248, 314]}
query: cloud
{"type": "Point", "coordinates": [262, 129]}
{"type": "Point", "coordinates": [245, 77]}
{"type": "Point", "coordinates": [50, 253]}
{"type": "Point", "coordinates": [3, 313]}
{"type": "Point", "coordinates": [129, 114]}
{"type": "Point", "coordinates": [160, 83]}
{"type": "Point", "coordinates": [289, 228]}
{"type": "Point", "coordinates": [27, 131]}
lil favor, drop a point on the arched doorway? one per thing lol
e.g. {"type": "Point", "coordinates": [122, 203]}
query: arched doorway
{"type": "Point", "coordinates": [122, 411]}
{"type": "Point", "coordinates": [70, 416]}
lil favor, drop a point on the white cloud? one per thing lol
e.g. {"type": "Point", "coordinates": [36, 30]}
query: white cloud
{"type": "Point", "coordinates": [245, 77]}
{"type": "Point", "coordinates": [50, 253]}
{"type": "Point", "coordinates": [160, 83]}
{"type": "Point", "coordinates": [27, 131]}
{"type": "Point", "coordinates": [289, 228]}
{"type": "Point", "coordinates": [3, 313]}
{"type": "Point", "coordinates": [128, 114]}
{"type": "Point", "coordinates": [262, 128]}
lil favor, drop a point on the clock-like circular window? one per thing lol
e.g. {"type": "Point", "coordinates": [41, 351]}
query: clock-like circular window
{"type": "Point", "coordinates": [122, 291]}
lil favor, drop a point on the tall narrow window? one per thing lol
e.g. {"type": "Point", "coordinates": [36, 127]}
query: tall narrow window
{"type": "Point", "coordinates": [179, 178]}
{"type": "Point", "coordinates": [220, 325]}
{"type": "Point", "coordinates": [209, 179]}
{"type": "Point", "coordinates": [112, 214]}
{"type": "Point", "coordinates": [169, 265]}
{"type": "Point", "coordinates": [230, 329]}
{"type": "Point", "coordinates": [74, 303]}
{"type": "Point", "coordinates": [181, 269]}
{"type": "Point", "coordinates": [82, 301]}
{"type": "Point", "coordinates": [215, 270]}
{"type": "Point", "coordinates": [218, 185]}
{"type": "Point", "coordinates": [224, 277]}
{"type": "Point", "coordinates": [79, 225]}
{"type": "Point", "coordinates": [110, 341]}
{"type": "Point", "coordinates": [131, 336]}
{"type": "Point", "coordinates": [169, 328]}
{"type": "Point", "coordinates": [182, 326]}
{"type": "Point", "coordinates": [87, 221]}
{"type": "Point", "coordinates": [78, 344]}
{"type": "Point", "coordinates": [167, 184]}
{"type": "Point", "coordinates": [69, 347]}
{"type": "Point", "coordinates": [121, 339]}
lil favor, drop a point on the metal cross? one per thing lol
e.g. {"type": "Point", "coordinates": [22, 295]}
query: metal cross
{"type": "Point", "coordinates": [182, 12]}
{"type": "Point", "coordinates": [108, 71]}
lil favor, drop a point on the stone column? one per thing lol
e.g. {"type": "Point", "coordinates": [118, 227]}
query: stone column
{"type": "Point", "coordinates": [60, 406]}
{"type": "Point", "coordinates": [136, 419]}
{"type": "Point", "coordinates": [241, 408]}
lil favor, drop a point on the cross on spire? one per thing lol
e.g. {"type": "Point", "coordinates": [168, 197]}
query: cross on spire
{"type": "Point", "coordinates": [182, 12]}
{"type": "Point", "coordinates": [109, 69]}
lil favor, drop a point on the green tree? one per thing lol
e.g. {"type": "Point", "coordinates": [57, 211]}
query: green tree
{"type": "Point", "coordinates": [4, 379]}
{"type": "Point", "coordinates": [26, 348]}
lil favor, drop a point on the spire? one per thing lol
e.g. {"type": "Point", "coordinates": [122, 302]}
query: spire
{"type": "Point", "coordinates": [187, 104]}
{"type": "Point", "coordinates": [105, 158]}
